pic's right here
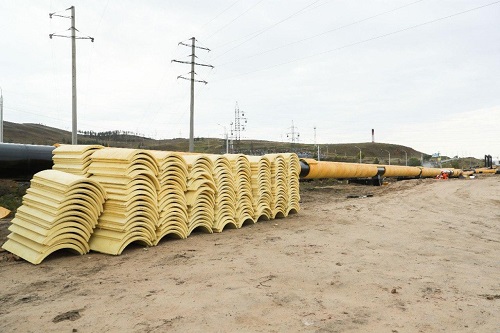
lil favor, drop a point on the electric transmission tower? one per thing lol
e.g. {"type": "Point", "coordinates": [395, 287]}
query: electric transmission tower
{"type": "Point", "coordinates": [192, 63]}
{"type": "Point", "coordinates": [239, 124]}
{"type": "Point", "coordinates": [73, 65]}
{"type": "Point", "coordinates": [293, 135]}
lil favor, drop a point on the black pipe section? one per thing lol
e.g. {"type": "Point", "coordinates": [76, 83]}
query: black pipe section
{"type": "Point", "coordinates": [304, 169]}
{"type": "Point", "coordinates": [488, 161]}
{"type": "Point", "coordinates": [21, 162]}
{"type": "Point", "coordinates": [379, 178]}
{"type": "Point", "coordinates": [376, 180]}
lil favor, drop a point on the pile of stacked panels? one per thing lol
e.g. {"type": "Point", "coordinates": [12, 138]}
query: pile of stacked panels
{"type": "Point", "coordinates": [200, 194]}
{"type": "Point", "coordinates": [74, 159]}
{"type": "Point", "coordinates": [293, 167]}
{"type": "Point", "coordinates": [59, 211]}
{"type": "Point", "coordinates": [172, 205]}
{"type": "Point", "coordinates": [225, 194]}
{"type": "Point", "coordinates": [131, 211]}
{"type": "Point", "coordinates": [279, 187]}
{"type": "Point", "coordinates": [243, 184]}
{"type": "Point", "coordinates": [103, 199]}
{"type": "Point", "coordinates": [261, 187]}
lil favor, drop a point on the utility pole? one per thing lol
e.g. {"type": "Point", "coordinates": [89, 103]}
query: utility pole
{"type": "Point", "coordinates": [73, 67]}
{"type": "Point", "coordinates": [360, 161]}
{"type": "Point", "coordinates": [389, 155]}
{"type": "Point", "coordinates": [314, 135]}
{"type": "Point", "coordinates": [1, 115]}
{"type": "Point", "coordinates": [406, 157]}
{"type": "Point", "coordinates": [226, 138]}
{"type": "Point", "coordinates": [239, 125]}
{"type": "Point", "coordinates": [191, 108]}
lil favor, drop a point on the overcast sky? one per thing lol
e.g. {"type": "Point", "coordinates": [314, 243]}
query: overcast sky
{"type": "Point", "coordinates": [424, 74]}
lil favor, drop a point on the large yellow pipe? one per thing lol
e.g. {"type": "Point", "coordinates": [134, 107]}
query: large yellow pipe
{"type": "Point", "coordinates": [339, 170]}
{"type": "Point", "coordinates": [429, 172]}
{"type": "Point", "coordinates": [400, 171]}
{"type": "Point", "coordinates": [455, 173]}
{"type": "Point", "coordinates": [485, 170]}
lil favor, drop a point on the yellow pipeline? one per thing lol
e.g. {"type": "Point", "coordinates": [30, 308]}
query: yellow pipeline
{"type": "Point", "coordinates": [400, 171]}
{"type": "Point", "coordinates": [485, 170]}
{"type": "Point", "coordinates": [455, 173]}
{"type": "Point", "coordinates": [339, 170]}
{"type": "Point", "coordinates": [429, 172]}
{"type": "Point", "coordinates": [342, 170]}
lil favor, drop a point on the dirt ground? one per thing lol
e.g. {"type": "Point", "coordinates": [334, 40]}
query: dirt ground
{"type": "Point", "coordinates": [412, 256]}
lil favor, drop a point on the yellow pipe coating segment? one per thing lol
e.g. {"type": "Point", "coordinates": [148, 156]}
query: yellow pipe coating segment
{"type": "Point", "coordinates": [455, 173]}
{"type": "Point", "coordinates": [339, 170]}
{"type": "Point", "coordinates": [400, 171]}
{"type": "Point", "coordinates": [430, 172]}
{"type": "Point", "coordinates": [485, 170]}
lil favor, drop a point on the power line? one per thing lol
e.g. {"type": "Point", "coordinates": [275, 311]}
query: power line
{"type": "Point", "coordinates": [256, 32]}
{"type": "Point", "coordinates": [220, 13]}
{"type": "Point", "coordinates": [228, 24]}
{"type": "Point", "coordinates": [192, 63]}
{"type": "Point", "coordinates": [365, 40]}
{"type": "Point", "coordinates": [322, 33]}
{"type": "Point", "coordinates": [255, 35]}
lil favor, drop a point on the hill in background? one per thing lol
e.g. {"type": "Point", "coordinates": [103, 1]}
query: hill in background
{"type": "Point", "coordinates": [346, 152]}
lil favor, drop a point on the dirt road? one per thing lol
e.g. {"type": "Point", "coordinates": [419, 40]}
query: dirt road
{"type": "Point", "coordinates": [417, 256]}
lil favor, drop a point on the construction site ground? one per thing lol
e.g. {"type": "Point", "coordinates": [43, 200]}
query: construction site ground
{"type": "Point", "coordinates": [410, 256]}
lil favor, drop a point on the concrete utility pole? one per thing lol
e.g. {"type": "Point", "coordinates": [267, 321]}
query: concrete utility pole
{"type": "Point", "coordinates": [73, 68]}
{"type": "Point", "coordinates": [315, 135]}
{"type": "Point", "coordinates": [226, 138]}
{"type": "Point", "coordinates": [389, 155]}
{"type": "Point", "coordinates": [359, 154]}
{"type": "Point", "coordinates": [191, 107]}
{"type": "Point", "coordinates": [74, 127]}
{"type": "Point", "coordinates": [1, 115]}
{"type": "Point", "coordinates": [406, 157]}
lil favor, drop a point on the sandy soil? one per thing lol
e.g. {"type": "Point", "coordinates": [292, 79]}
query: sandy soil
{"type": "Point", "coordinates": [417, 256]}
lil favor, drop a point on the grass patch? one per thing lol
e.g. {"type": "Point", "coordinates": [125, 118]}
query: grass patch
{"type": "Point", "coordinates": [11, 194]}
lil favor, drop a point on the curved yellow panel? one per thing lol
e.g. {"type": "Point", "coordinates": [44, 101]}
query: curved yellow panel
{"type": "Point", "coordinates": [4, 212]}
{"type": "Point", "coordinates": [74, 159]}
{"type": "Point", "coordinates": [60, 210]}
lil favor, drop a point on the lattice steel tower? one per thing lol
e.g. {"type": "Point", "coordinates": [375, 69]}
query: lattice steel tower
{"type": "Point", "coordinates": [239, 124]}
{"type": "Point", "coordinates": [293, 135]}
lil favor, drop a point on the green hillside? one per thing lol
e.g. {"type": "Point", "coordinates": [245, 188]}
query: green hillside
{"type": "Point", "coordinates": [345, 152]}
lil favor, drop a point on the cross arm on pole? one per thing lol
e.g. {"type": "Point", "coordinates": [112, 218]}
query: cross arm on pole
{"type": "Point", "coordinates": [189, 63]}
{"type": "Point", "coordinates": [185, 78]}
